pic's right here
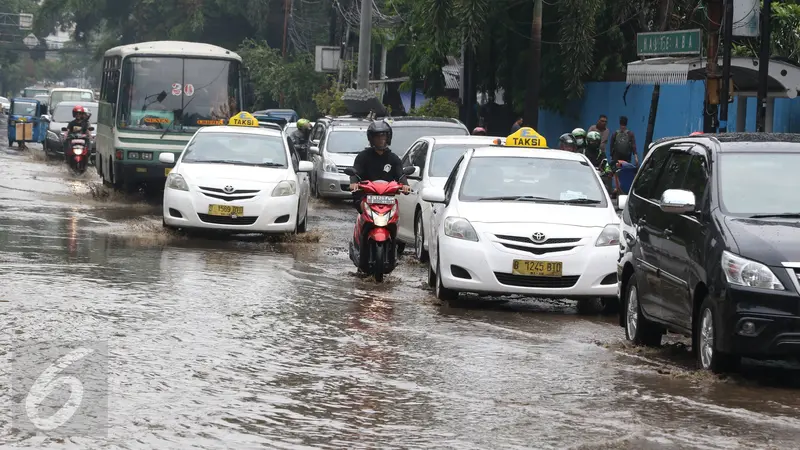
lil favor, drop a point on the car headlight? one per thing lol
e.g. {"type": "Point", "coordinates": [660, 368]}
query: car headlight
{"type": "Point", "coordinates": [284, 188]}
{"type": "Point", "coordinates": [609, 236]}
{"type": "Point", "coordinates": [743, 272]}
{"type": "Point", "coordinates": [176, 181]}
{"type": "Point", "coordinates": [331, 167]}
{"type": "Point", "coordinates": [460, 228]}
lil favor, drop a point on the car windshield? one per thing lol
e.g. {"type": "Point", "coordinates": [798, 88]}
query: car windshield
{"type": "Point", "coordinates": [403, 137]}
{"type": "Point", "coordinates": [540, 180]}
{"type": "Point", "coordinates": [236, 148]}
{"type": "Point", "coordinates": [63, 113]}
{"type": "Point", "coordinates": [23, 109]}
{"type": "Point", "coordinates": [759, 183]}
{"type": "Point", "coordinates": [346, 140]}
{"type": "Point", "coordinates": [445, 157]}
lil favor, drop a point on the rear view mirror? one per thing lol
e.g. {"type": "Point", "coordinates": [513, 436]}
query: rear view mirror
{"type": "Point", "coordinates": [314, 150]}
{"type": "Point", "coordinates": [305, 166]}
{"type": "Point", "coordinates": [433, 195]}
{"type": "Point", "coordinates": [677, 201]}
{"type": "Point", "coordinates": [410, 170]}
{"type": "Point", "coordinates": [350, 171]}
{"type": "Point", "coordinates": [622, 201]}
{"type": "Point", "coordinates": [166, 158]}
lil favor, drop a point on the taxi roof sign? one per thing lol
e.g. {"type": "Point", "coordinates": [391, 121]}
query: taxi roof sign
{"type": "Point", "coordinates": [526, 137]}
{"type": "Point", "coordinates": [243, 119]}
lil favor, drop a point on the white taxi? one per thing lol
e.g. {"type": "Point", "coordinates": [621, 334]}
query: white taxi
{"type": "Point", "coordinates": [531, 221]}
{"type": "Point", "coordinates": [237, 178]}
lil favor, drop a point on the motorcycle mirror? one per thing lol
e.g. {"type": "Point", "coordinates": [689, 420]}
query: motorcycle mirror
{"type": "Point", "coordinates": [409, 170]}
{"type": "Point", "coordinates": [350, 171]}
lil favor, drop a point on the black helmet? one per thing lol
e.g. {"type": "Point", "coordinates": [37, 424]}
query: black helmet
{"type": "Point", "coordinates": [567, 141]}
{"type": "Point", "coordinates": [379, 127]}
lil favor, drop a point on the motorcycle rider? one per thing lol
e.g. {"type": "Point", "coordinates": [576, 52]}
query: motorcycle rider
{"type": "Point", "coordinates": [479, 131]}
{"type": "Point", "coordinates": [298, 140]}
{"type": "Point", "coordinates": [80, 120]}
{"type": "Point", "coordinates": [567, 142]}
{"type": "Point", "coordinates": [377, 162]}
{"type": "Point", "coordinates": [579, 134]}
{"type": "Point", "coordinates": [597, 156]}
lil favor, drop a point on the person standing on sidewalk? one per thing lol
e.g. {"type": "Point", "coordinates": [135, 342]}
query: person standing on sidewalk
{"type": "Point", "coordinates": [517, 125]}
{"type": "Point", "coordinates": [623, 147]}
{"type": "Point", "coordinates": [602, 127]}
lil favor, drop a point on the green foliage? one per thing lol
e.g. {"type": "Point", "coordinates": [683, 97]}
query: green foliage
{"type": "Point", "coordinates": [329, 101]}
{"type": "Point", "coordinates": [785, 34]}
{"type": "Point", "coordinates": [437, 107]}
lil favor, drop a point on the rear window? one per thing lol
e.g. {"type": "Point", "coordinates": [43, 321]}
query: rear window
{"type": "Point", "coordinates": [404, 136]}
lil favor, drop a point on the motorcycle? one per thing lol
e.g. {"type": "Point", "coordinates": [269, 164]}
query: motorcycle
{"type": "Point", "coordinates": [373, 248]}
{"type": "Point", "coordinates": [81, 150]}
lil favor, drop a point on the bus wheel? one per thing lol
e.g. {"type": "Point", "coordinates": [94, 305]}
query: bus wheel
{"type": "Point", "coordinates": [98, 166]}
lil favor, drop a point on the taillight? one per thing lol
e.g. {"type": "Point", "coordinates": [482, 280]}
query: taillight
{"type": "Point", "coordinates": [120, 154]}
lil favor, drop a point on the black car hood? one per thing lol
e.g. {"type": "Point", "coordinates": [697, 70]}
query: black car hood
{"type": "Point", "coordinates": [770, 241]}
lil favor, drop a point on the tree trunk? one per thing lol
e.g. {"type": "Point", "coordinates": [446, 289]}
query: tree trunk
{"type": "Point", "coordinates": [531, 116]}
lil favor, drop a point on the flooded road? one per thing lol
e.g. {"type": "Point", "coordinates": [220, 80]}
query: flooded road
{"type": "Point", "coordinates": [216, 343]}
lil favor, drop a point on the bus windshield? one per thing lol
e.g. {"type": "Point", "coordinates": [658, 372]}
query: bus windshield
{"type": "Point", "coordinates": [182, 94]}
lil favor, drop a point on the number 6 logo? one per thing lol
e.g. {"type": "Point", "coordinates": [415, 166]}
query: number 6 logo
{"type": "Point", "coordinates": [47, 382]}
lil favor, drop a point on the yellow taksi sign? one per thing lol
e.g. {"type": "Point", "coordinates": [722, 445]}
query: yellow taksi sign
{"type": "Point", "coordinates": [243, 119]}
{"type": "Point", "coordinates": [526, 137]}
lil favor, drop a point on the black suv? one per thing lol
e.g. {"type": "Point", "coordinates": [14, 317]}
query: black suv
{"type": "Point", "coordinates": [710, 247]}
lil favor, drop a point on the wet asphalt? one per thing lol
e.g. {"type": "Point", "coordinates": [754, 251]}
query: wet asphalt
{"type": "Point", "coordinates": [252, 343]}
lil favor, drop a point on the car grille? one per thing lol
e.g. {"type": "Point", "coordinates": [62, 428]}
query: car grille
{"type": "Point", "coordinates": [223, 220]}
{"type": "Point", "coordinates": [238, 194]}
{"type": "Point", "coordinates": [341, 169]}
{"type": "Point", "coordinates": [536, 282]}
{"type": "Point", "coordinates": [538, 250]}
{"type": "Point", "coordinates": [530, 241]}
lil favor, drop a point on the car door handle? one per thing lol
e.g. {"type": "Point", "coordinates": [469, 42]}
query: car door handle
{"type": "Point", "coordinates": [668, 233]}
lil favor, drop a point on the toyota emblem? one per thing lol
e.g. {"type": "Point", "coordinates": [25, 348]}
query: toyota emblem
{"type": "Point", "coordinates": [539, 237]}
{"type": "Point", "coordinates": [228, 189]}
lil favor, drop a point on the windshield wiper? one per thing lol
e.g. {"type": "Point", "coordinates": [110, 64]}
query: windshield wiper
{"type": "Point", "coordinates": [582, 201]}
{"type": "Point", "coordinates": [270, 164]}
{"type": "Point", "coordinates": [529, 198]}
{"type": "Point", "coordinates": [213, 161]}
{"type": "Point", "coordinates": [779, 215]}
{"type": "Point", "coordinates": [168, 128]}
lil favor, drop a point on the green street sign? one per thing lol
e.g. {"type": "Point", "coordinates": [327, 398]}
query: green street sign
{"type": "Point", "coordinates": [681, 42]}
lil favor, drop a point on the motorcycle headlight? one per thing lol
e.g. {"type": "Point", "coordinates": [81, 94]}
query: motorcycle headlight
{"type": "Point", "coordinates": [284, 188]}
{"type": "Point", "coordinates": [460, 228]}
{"type": "Point", "coordinates": [177, 182]}
{"type": "Point", "coordinates": [331, 167]}
{"type": "Point", "coordinates": [381, 220]}
{"type": "Point", "coordinates": [609, 236]}
{"type": "Point", "coordinates": [744, 272]}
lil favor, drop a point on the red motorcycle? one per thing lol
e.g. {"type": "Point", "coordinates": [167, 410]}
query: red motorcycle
{"type": "Point", "coordinates": [374, 247]}
{"type": "Point", "coordinates": [79, 143]}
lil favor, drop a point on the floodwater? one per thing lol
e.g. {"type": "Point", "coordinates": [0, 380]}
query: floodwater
{"type": "Point", "coordinates": [225, 343]}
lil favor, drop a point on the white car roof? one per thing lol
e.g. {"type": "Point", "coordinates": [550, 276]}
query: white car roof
{"type": "Point", "coordinates": [479, 141]}
{"type": "Point", "coordinates": [240, 130]}
{"type": "Point", "coordinates": [527, 153]}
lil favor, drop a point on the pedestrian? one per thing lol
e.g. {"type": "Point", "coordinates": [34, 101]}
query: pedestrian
{"type": "Point", "coordinates": [602, 127]}
{"type": "Point", "coordinates": [517, 125]}
{"type": "Point", "coordinates": [623, 147]}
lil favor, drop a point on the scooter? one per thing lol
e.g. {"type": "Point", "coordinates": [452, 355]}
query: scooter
{"type": "Point", "coordinates": [374, 246]}
{"type": "Point", "coordinates": [81, 153]}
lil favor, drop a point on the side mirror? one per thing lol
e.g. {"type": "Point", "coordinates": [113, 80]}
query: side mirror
{"type": "Point", "coordinates": [677, 201]}
{"type": "Point", "coordinates": [433, 195]}
{"type": "Point", "coordinates": [410, 170]}
{"type": "Point", "coordinates": [314, 150]}
{"type": "Point", "coordinates": [314, 142]}
{"type": "Point", "coordinates": [305, 166]}
{"type": "Point", "coordinates": [622, 201]}
{"type": "Point", "coordinates": [350, 171]}
{"type": "Point", "coordinates": [90, 128]}
{"type": "Point", "coordinates": [64, 129]}
{"type": "Point", "coordinates": [46, 118]}
{"type": "Point", "coordinates": [166, 158]}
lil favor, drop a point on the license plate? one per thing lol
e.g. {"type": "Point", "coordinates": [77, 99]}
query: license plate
{"type": "Point", "coordinates": [380, 199]}
{"type": "Point", "coordinates": [141, 169]}
{"type": "Point", "coordinates": [225, 210]}
{"type": "Point", "coordinates": [167, 171]}
{"type": "Point", "coordinates": [78, 141]}
{"type": "Point", "coordinates": [537, 268]}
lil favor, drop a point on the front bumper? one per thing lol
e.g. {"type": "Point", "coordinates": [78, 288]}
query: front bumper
{"type": "Point", "coordinates": [776, 315]}
{"type": "Point", "coordinates": [262, 214]}
{"type": "Point", "coordinates": [153, 173]}
{"type": "Point", "coordinates": [486, 267]}
{"type": "Point", "coordinates": [336, 185]}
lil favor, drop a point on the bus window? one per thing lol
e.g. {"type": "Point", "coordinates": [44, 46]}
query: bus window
{"type": "Point", "coordinates": [212, 89]}
{"type": "Point", "coordinates": [148, 99]}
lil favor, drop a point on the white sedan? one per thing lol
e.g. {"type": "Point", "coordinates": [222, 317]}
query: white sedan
{"type": "Point", "coordinates": [524, 221]}
{"type": "Point", "coordinates": [237, 179]}
{"type": "Point", "coordinates": [432, 158]}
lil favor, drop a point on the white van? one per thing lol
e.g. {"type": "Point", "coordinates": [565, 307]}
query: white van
{"type": "Point", "coordinates": [70, 95]}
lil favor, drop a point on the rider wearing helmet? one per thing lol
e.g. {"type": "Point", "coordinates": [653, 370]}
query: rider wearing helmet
{"type": "Point", "coordinates": [567, 142]}
{"type": "Point", "coordinates": [579, 134]}
{"type": "Point", "coordinates": [479, 131]}
{"type": "Point", "coordinates": [298, 140]}
{"type": "Point", "coordinates": [79, 125]}
{"type": "Point", "coordinates": [593, 151]}
{"type": "Point", "coordinates": [377, 162]}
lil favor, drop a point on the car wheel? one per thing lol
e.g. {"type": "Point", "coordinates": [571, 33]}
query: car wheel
{"type": "Point", "coordinates": [442, 293]}
{"type": "Point", "coordinates": [431, 277]}
{"type": "Point", "coordinates": [419, 240]}
{"type": "Point", "coordinates": [165, 226]}
{"type": "Point", "coordinates": [316, 187]}
{"type": "Point", "coordinates": [401, 247]}
{"type": "Point", "coordinates": [301, 226]}
{"type": "Point", "coordinates": [704, 341]}
{"type": "Point", "coordinates": [638, 329]}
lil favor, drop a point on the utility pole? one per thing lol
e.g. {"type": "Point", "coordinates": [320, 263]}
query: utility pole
{"type": "Point", "coordinates": [332, 25]}
{"type": "Point", "coordinates": [763, 65]}
{"type": "Point", "coordinates": [285, 24]}
{"type": "Point", "coordinates": [726, 66]}
{"type": "Point", "coordinates": [711, 104]}
{"type": "Point", "coordinates": [364, 44]}
{"type": "Point", "coordinates": [531, 116]}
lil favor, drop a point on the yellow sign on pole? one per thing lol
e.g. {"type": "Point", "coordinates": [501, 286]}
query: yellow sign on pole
{"type": "Point", "coordinates": [526, 137]}
{"type": "Point", "coordinates": [243, 119]}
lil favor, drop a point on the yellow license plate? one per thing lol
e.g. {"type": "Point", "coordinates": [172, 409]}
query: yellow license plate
{"type": "Point", "coordinates": [225, 210]}
{"type": "Point", "coordinates": [167, 171]}
{"type": "Point", "coordinates": [141, 169]}
{"type": "Point", "coordinates": [537, 268]}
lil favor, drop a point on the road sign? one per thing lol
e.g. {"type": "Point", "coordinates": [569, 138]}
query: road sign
{"type": "Point", "coordinates": [25, 21]}
{"type": "Point", "coordinates": [681, 42]}
{"type": "Point", "coordinates": [31, 41]}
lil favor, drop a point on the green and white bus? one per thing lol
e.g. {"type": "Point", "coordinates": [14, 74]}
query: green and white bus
{"type": "Point", "coordinates": [154, 97]}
